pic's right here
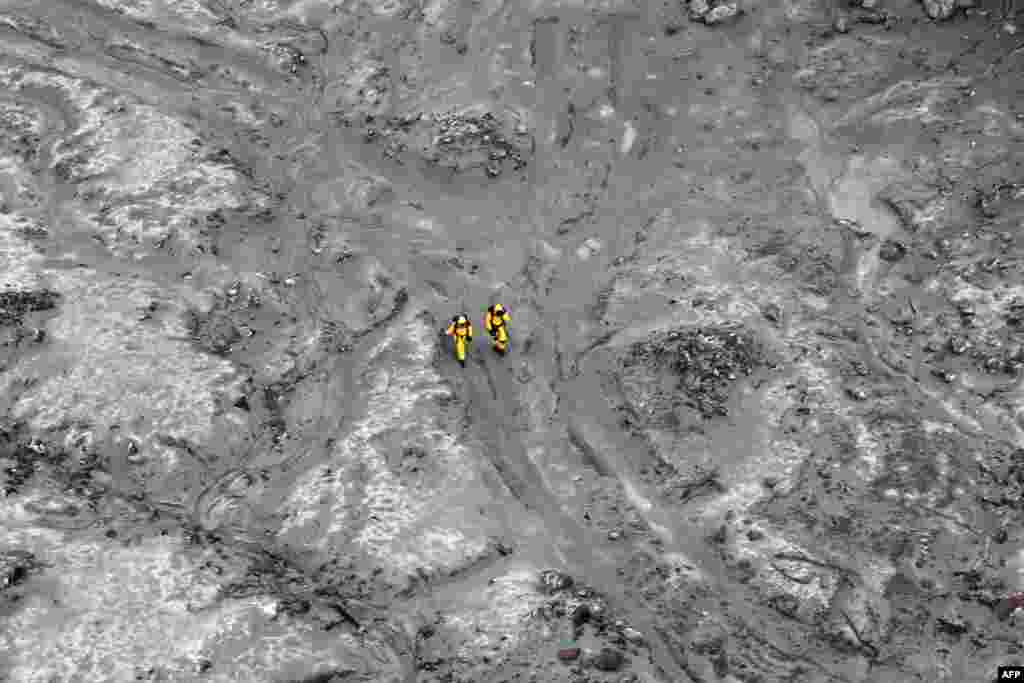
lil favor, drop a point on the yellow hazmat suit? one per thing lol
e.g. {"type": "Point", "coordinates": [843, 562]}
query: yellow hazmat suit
{"type": "Point", "coordinates": [496, 322]}
{"type": "Point", "coordinates": [461, 331]}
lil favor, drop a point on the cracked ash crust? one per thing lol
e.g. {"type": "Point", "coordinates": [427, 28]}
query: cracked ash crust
{"type": "Point", "coordinates": [762, 415]}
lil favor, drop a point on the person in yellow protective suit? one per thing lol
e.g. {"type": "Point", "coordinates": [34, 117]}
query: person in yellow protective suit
{"type": "Point", "coordinates": [461, 331]}
{"type": "Point", "coordinates": [496, 322]}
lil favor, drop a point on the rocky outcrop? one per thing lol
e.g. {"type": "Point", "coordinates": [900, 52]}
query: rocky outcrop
{"type": "Point", "coordinates": [715, 12]}
{"type": "Point", "coordinates": [940, 10]}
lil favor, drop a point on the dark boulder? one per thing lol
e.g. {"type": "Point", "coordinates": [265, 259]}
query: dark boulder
{"type": "Point", "coordinates": [609, 659]}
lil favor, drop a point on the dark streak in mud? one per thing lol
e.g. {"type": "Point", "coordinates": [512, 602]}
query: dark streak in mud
{"type": "Point", "coordinates": [400, 301]}
{"type": "Point", "coordinates": [570, 125]}
{"type": "Point", "coordinates": [589, 456]}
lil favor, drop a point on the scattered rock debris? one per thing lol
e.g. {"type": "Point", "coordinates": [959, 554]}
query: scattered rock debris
{"type": "Point", "coordinates": [15, 304]}
{"type": "Point", "coordinates": [712, 12]}
{"type": "Point", "coordinates": [706, 362]}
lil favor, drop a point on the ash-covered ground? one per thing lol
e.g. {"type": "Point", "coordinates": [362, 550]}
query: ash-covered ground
{"type": "Point", "coordinates": [762, 419]}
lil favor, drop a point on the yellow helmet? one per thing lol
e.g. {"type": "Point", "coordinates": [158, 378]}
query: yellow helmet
{"type": "Point", "coordinates": [461, 319]}
{"type": "Point", "coordinates": [498, 308]}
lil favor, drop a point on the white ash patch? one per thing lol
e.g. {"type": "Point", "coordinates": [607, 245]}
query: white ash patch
{"type": "Point", "coordinates": [445, 548]}
{"type": "Point", "coordinates": [699, 267]}
{"type": "Point", "coordinates": [497, 615]}
{"type": "Point", "coordinates": [20, 518]}
{"type": "Point", "coordinates": [83, 97]}
{"type": "Point", "coordinates": [852, 196]}
{"type": "Point", "coordinates": [116, 601]}
{"type": "Point", "coordinates": [405, 525]}
{"type": "Point", "coordinates": [683, 570]}
{"type": "Point", "coordinates": [997, 122]}
{"type": "Point", "coordinates": [990, 306]}
{"type": "Point", "coordinates": [150, 162]}
{"type": "Point", "coordinates": [355, 190]}
{"type": "Point", "coordinates": [193, 13]}
{"type": "Point", "coordinates": [24, 191]}
{"type": "Point", "coordinates": [924, 101]}
{"type": "Point", "coordinates": [931, 427]}
{"type": "Point", "coordinates": [434, 9]}
{"type": "Point", "coordinates": [812, 583]}
{"type": "Point", "coordinates": [108, 368]}
{"type": "Point", "coordinates": [322, 484]}
{"type": "Point", "coordinates": [20, 262]}
{"type": "Point", "coordinates": [871, 451]}
{"type": "Point", "coordinates": [141, 148]}
{"type": "Point", "coordinates": [21, 119]}
{"type": "Point", "coordinates": [589, 247]}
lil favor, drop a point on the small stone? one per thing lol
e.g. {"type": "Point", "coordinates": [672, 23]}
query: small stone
{"type": "Point", "coordinates": [939, 10]}
{"type": "Point", "coordinates": [841, 24]}
{"type": "Point", "coordinates": [553, 581]}
{"type": "Point", "coordinates": [857, 393]}
{"type": "Point", "coordinates": [722, 13]}
{"type": "Point", "coordinates": [15, 567]}
{"type": "Point", "coordinates": [959, 345]}
{"type": "Point", "coordinates": [993, 364]}
{"type": "Point", "coordinates": [632, 635]}
{"type": "Point", "coordinates": [609, 660]}
{"type": "Point", "coordinates": [953, 625]}
{"type": "Point", "coordinates": [698, 9]}
{"type": "Point", "coordinates": [755, 535]}
{"type": "Point", "coordinates": [719, 537]}
{"type": "Point", "coordinates": [892, 251]}
{"type": "Point", "coordinates": [872, 18]}
{"type": "Point", "coordinates": [1010, 29]}
{"type": "Point", "coordinates": [581, 615]}
{"type": "Point", "coordinates": [771, 312]}
{"type": "Point", "coordinates": [614, 535]}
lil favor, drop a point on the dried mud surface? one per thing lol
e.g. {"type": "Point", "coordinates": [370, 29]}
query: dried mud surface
{"type": "Point", "coordinates": [762, 418]}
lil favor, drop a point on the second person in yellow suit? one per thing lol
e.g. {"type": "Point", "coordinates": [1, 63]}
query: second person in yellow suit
{"type": "Point", "coordinates": [496, 322]}
{"type": "Point", "coordinates": [461, 331]}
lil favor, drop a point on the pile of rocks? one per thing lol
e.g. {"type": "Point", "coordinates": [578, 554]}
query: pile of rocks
{"type": "Point", "coordinates": [15, 567]}
{"type": "Point", "coordinates": [463, 141]}
{"type": "Point", "coordinates": [713, 12]}
{"type": "Point", "coordinates": [706, 360]}
{"type": "Point", "coordinates": [14, 304]}
{"type": "Point", "coordinates": [940, 10]}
